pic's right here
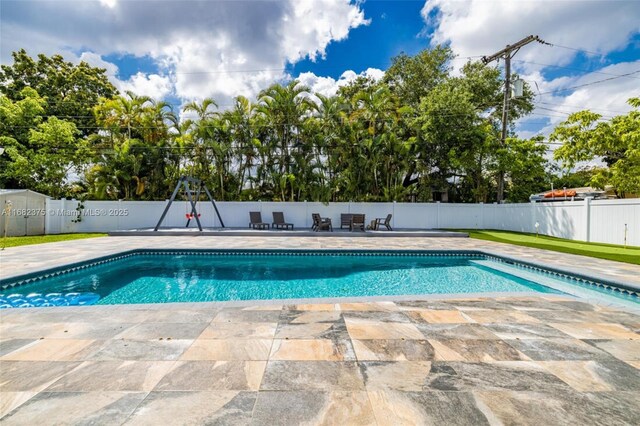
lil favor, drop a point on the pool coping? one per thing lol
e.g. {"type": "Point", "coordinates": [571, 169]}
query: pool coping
{"type": "Point", "coordinates": [567, 273]}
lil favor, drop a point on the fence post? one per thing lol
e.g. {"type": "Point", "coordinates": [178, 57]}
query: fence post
{"type": "Point", "coordinates": [437, 214]}
{"type": "Point", "coordinates": [587, 216]}
{"type": "Point", "coordinates": [534, 215]}
{"type": "Point", "coordinates": [47, 216]}
{"type": "Point", "coordinates": [393, 214]}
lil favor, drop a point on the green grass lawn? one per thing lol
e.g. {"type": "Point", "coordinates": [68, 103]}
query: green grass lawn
{"type": "Point", "coordinates": [39, 239]}
{"type": "Point", "coordinates": [631, 254]}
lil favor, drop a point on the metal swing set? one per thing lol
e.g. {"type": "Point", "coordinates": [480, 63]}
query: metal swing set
{"type": "Point", "coordinates": [185, 182]}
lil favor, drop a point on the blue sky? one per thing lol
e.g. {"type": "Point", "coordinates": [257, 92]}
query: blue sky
{"type": "Point", "coordinates": [185, 50]}
{"type": "Point", "coordinates": [395, 27]}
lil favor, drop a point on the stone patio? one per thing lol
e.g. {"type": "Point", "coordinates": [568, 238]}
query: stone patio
{"type": "Point", "coordinates": [454, 361]}
{"type": "Point", "coordinates": [450, 360]}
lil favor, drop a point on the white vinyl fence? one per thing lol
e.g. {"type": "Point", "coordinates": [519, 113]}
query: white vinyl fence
{"type": "Point", "coordinates": [590, 220]}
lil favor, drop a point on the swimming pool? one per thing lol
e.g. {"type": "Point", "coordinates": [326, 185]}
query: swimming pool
{"type": "Point", "coordinates": [162, 276]}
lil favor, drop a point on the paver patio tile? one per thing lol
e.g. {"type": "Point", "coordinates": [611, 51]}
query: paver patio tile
{"type": "Point", "coordinates": [372, 306]}
{"type": "Point", "coordinates": [140, 350]}
{"type": "Point", "coordinates": [53, 350]}
{"type": "Point", "coordinates": [113, 376]}
{"type": "Point", "coordinates": [565, 316]}
{"type": "Point", "coordinates": [415, 305]}
{"type": "Point", "coordinates": [500, 375]}
{"type": "Point", "coordinates": [596, 331]}
{"type": "Point", "coordinates": [475, 350]}
{"type": "Point", "coordinates": [192, 314]}
{"type": "Point", "coordinates": [312, 375]}
{"type": "Point", "coordinates": [32, 376]}
{"type": "Point", "coordinates": [239, 330]}
{"type": "Point", "coordinates": [601, 375]}
{"type": "Point", "coordinates": [9, 345]}
{"type": "Point", "coordinates": [315, 307]}
{"type": "Point", "coordinates": [402, 375]}
{"type": "Point", "coordinates": [213, 375]}
{"type": "Point", "coordinates": [456, 331]}
{"type": "Point", "coordinates": [567, 408]}
{"type": "Point", "coordinates": [524, 331]}
{"type": "Point", "coordinates": [312, 350]}
{"type": "Point", "coordinates": [313, 408]}
{"type": "Point", "coordinates": [501, 316]}
{"type": "Point", "coordinates": [558, 349]}
{"type": "Point", "coordinates": [165, 330]}
{"type": "Point", "coordinates": [264, 308]}
{"type": "Point", "coordinates": [237, 315]}
{"type": "Point", "coordinates": [378, 316]}
{"type": "Point", "coordinates": [393, 350]}
{"type": "Point", "coordinates": [197, 407]}
{"type": "Point", "coordinates": [438, 316]}
{"type": "Point", "coordinates": [479, 304]}
{"type": "Point", "coordinates": [308, 317]}
{"type": "Point", "coordinates": [370, 329]}
{"type": "Point", "coordinates": [228, 350]}
{"type": "Point", "coordinates": [320, 330]}
{"type": "Point", "coordinates": [396, 408]}
{"type": "Point", "coordinates": [11, 400]}
{"type": "Point", "coordinates": [99, 408]}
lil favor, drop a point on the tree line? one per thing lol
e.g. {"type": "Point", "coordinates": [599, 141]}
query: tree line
{"type": "Point", "coordinates": [421, 133]}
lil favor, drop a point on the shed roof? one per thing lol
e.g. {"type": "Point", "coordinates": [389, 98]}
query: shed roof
{"type": "Point", "coordinates": [20, 191]}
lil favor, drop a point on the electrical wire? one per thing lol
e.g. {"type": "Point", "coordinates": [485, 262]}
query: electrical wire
{"type": "Point", "coordinates": [574, 69]}
{"type": "Point", "coordinates": [589, 84]}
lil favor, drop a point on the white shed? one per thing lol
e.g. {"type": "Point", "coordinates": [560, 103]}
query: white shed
{"type": "Point", "coordinates": [23, 212]}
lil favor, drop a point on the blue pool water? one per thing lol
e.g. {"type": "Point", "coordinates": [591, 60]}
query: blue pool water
{"type": "Point", "coordinates": [189, 277]}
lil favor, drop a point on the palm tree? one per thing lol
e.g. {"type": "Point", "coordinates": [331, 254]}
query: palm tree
{"type": "Point", "coordinates": [286, 108]}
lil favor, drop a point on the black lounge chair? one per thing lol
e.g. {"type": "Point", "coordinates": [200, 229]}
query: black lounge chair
{"type": "Point", "coordinates": [256, 221]}
{"type": "Point", "coordinates": [279, 223]}
{"type": "Point", "coordinates": [345, 220]}
{"type": "Point", "coordinates": [357, 222]}
{"type": "Point", "coordinates": [321, 223]}
{"type": "Point", "coordinates": [375, 224]}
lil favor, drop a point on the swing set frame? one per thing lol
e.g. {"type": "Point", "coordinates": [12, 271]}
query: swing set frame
{"type": "Point", "coordinates": [185, 182]}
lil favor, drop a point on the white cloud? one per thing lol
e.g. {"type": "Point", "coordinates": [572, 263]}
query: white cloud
{"type": "Point", "coordinates": [96, 60]}
{"type": "Point", "coordinates": [153, 85]}
{"type": "Point", "coordinates": [109, 3]}
{"type": "Point", "coordinates": [607, 98]}
{"type": "Point", "coordinates": [329, 86]}
{"type": "Point", "coordinates": [480, 27]}
{"type": "Point", "coordinates": [310, 25]}
{"type": "Point", "coordinates": [217, 49]}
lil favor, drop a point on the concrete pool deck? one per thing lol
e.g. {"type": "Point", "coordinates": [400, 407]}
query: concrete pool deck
{"type": "Point", "coordinates": [544, 359]}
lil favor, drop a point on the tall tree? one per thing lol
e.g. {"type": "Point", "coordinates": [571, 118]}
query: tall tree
{"type": "Point", "coordinates": [71, 91]}
{"type": "Point", "coordinates": [586, 137]}
{"type": "Point", "coordinates": [39, 154]}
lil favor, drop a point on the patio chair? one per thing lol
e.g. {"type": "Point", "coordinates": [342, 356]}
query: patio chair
{"type": "Point", "coordinates": [321, 223]}
{"type": "Point", "coordinates": [279, 223]}
{"type": "Point", "coordinates": [256, 221]}
{"type": "Point", "coordinates": [375, 225]}
{"type": "Point", "coordinates": [357, 222]}
{"type": "Point", "coordinates": [345, 220]}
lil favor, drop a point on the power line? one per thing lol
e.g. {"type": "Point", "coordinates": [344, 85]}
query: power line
{"type": "Point", "coordinates": [575, 49]}
{"type": "Point", "coordinates": [581, 109]}
{"type": "Point", "coordinates": [575, 69]}
{"type": "Point", "coordinates": [565, 112]}
{"type": "Point", "coordinates": [589, 84]}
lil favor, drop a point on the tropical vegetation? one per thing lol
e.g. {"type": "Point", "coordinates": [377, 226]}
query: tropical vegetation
{"type": "Point", "coordinates": [421, 133]}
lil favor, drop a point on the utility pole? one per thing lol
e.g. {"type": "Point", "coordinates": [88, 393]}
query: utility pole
{"type": "Point", "coordinates": [507, 53]}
